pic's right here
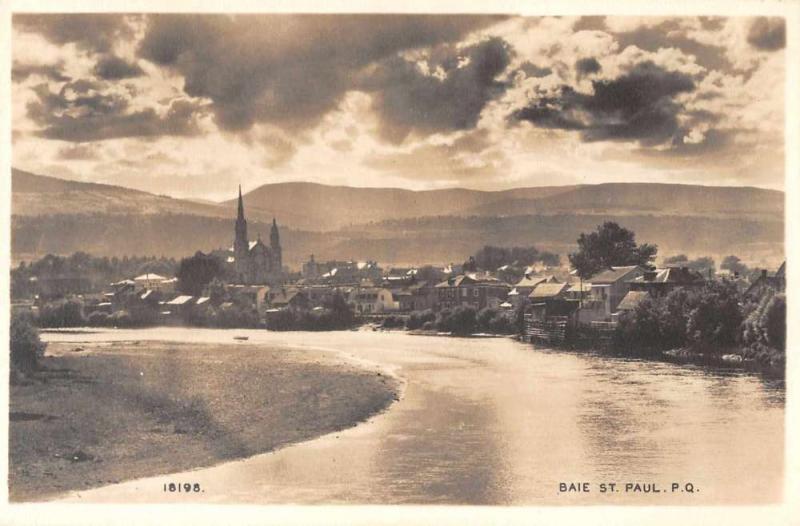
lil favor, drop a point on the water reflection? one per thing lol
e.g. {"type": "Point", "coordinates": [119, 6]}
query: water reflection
{"type": "Point", "coordinates": [493, 421]}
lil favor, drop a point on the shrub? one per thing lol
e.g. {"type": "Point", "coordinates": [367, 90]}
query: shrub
{"type": "Point", "coordinates": [235, 316]}
{"type": "Point", "coordinates": [763, 332]}
{"type": "Point", "coordinates": [494, 321]}
{"type": "Point", "coordinates": [716, 317]}
{"type": "Point", "coordinates": [25, 346]}
{"type": "Point", "coordinates": [336, 314]}
{"type": "Point", "coordinates": [392, 322]}
{"type": "Point", "coordinates": [460, 321]}
{"type": "Point", "coordinates": [418, 319]}
{"type": "Point", "coordinates": [97, 319]}
{"type": "Point", "coordinates": [429, 325]}
{"type": "Point", "coordinates": [62, 313]}
{"type": "Point", "coordinates": [639, 331]}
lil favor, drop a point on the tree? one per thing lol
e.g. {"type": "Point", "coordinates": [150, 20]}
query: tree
{"type": "Point", "coordinates": [734, 264]}
{"type": "Point", "coordinates": [716, 317]}
{"type": "Point", "coordinates": [609, 246]}
{"type": "Point", "coordinates": [701, 264]}
{"type": "Point", "coordinates": [62, 313]}
{"type": "Point", "coordinates": [680, 259]}
{"type": "Point", "coordinates": [775, 322]}
{"type": "Point", "coordinates": [25, 346]}
{"type": "Point", "coordinates": [196, 272]}
{"type": "Point", "coordinates": [461, 320]}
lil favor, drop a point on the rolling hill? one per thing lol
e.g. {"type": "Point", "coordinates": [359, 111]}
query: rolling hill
{"type": "Point", "coordinates": [50, 215]}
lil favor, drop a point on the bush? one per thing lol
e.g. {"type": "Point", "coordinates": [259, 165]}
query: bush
{"type": "Point", "coordinates": [336, 314]}
{"type": "Point", "coordinates": [707, 320]}
{"type": "Point", "coordinates": [62, 313]}
{"type": "Point", "coordinates": [716, 317]}
{"type": "Point", "coordinates": [418, 319]}
{"type": "Point", "coordinates": [494, 321]}
{"type": "Point", "coordinates": [429, 325]}
{"type": "Point", "coordinates": [392, 322]}
{"type": "Point", "coordinates": [459, 321]}
{"type": "Point", "coordinates": [25, 346]}
{"type": "Point", "coordinates": [235, 316]}
{"type": "Point", "coordinates": [764, 330]}
{"type": "Point", "coordinates": [639, 331]}
{"type": "Point", "coordinates": [98, 319]}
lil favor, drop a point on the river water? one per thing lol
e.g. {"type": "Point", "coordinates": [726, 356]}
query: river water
{"type": "Point", "coordinates": [494, 421]}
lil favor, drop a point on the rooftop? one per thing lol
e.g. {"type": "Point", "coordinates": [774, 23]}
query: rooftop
{"type": "Point", "coordinates": [632, 299]}
{"type": "Point", "coordinates": [612, 275]}
{"type": "Point", "coordinates": [548, 290]}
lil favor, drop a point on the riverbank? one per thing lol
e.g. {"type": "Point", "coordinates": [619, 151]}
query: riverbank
{"type": "Point", "coordinates": [99, 413]}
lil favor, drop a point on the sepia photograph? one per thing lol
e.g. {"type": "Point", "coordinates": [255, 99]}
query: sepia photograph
{"type": "Point", "coordinates": [382, 258]}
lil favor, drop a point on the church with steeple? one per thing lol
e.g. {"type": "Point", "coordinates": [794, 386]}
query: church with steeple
{"type": "Point", "coordinates": [255, 262]}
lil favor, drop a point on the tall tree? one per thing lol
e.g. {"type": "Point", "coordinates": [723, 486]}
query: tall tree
{"type": "Point", "coordinates": [196, 272]}
{"type": "Point", "coordinates": [609, 246]}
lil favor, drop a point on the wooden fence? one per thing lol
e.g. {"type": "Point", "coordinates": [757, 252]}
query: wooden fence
{"type": "Point", "coordinates": [551, 330]}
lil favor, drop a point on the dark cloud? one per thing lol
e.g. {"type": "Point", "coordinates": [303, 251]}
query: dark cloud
{"type": "Point", "coordinates": [450, 96]}
{"type": "Point", "coordinates": [587, 66]}
{"type": "Point", "coordinates": [768, 34]}
{"type": "Point", "coordinates": [112, 67]}
{"type": "Point", "coordinates": [95, 32]}
{"type": "Point", "coordinates": [669, 34]}
{"type": "Point", "coordinates": [637, 106]}
{"type": "Point", "coordinates": [54, 72]}
{"type": "Point", "coordinates": [288, 70]}
{"type": "Point", "coordinates": [532, 70]}
{"type": "Point", "coordinates": [81, 111]}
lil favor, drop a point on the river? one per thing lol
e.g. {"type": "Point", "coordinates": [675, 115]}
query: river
{"type": "Point", "coordinates": [494, 421]}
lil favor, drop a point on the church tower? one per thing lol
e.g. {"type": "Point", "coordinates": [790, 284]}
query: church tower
{"type": "Point", "coordinates": [241, 247]}
{"type": "Point", "coordinates": [275, 245]}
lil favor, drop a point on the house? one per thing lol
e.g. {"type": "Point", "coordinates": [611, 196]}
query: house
{"type": "Point", "coordinates": [529, 281]}
{"type": "Point", "coordinates": [149, 281]}
{"type": "Point", "coordinates": [660, 282]}
{"type": "Point", "coordinates": [287, 298]}
{"type": "Point", "coordinates": [765, 282]}
{"type": "Point", "coordinates": [632, 300]}
{"type": "Point", "coordinates": [256, 295]}
{"type": "Point", "coordinates": [417, 296]}
{"type": "Point", "coordinates": [548, 291]}
{"type": "Point", "coordinates": [178, 307]}
{"type": "Point", "coordinates": [608, 288]}
{"type": "Point", "coordinates": [471, 290]}
{"type": "Point", "coordinates": [578, 291]}
{"type": "Point", "coordinates": [373, 300]}
{"type": "Point", "coordinates": [350, 272]}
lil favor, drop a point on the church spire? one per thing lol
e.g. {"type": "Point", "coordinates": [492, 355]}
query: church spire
{"type": "Point", "coordinates": [274, 237]}
{"type": "Point", "coordinates": [240, 216]}
{"type": "Point", "coordinates": [240, 244]}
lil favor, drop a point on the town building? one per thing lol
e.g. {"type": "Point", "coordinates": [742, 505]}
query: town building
{"type": "Point", "coordinates": [662, 281]}
{"type": "Point", "coordinates": [529, 281]}
{"type": "Point", "coordinates": [373, 300]}
{"type": "Point", "coordinates": [254, 262]}
{"type": "Point", "coordinates": [471, 290]}
{"type": "Point", "coordinates": [766, 282]}
{"type": "Point", "coordinates": [608, 288]}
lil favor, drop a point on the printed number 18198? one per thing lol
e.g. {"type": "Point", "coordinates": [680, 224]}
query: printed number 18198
{"type": "Point", "coordinates": [186, 487]}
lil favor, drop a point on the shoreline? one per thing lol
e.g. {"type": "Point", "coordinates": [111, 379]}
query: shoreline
{"type": "Point", "coordinates": [169, 408]}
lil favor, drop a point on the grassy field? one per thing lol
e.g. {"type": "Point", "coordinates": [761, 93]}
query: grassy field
{"type": "Point", "coordinates": [102, 414]}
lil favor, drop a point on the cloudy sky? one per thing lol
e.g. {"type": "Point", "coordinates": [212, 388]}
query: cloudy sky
{"type": "Point", "coordinates": [190, 106]}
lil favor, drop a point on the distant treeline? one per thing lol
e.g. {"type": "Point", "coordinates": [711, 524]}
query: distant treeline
{"type": "Point", "coordinates": [492, 257]}
{"type": "Point", "coordinates": [93, 273]}
{"type": "Point", "coordinates": [444, 239]}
